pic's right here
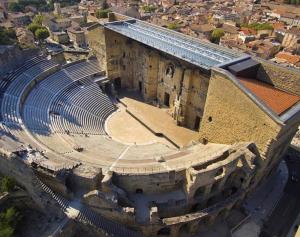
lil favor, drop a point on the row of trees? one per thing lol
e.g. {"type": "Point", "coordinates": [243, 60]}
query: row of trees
{"type": "Point", "coordinates": [258, 26]}
{"type": "Point", "coordinates": [294, 2]}
{"type": "Point", "coordinates": [41, 5]}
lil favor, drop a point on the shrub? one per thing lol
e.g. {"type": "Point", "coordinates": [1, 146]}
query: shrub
{"type": "Point", "coordinates": [38, 19]}
{"type": "Point", "coordinates": [216, 35]}
{"type": "Point", "coordinates": [149, 8]}
{"type": "Point", "coordinates": [7, 184]}
{"type": "Point", "coordinates": [102, 13]}
{"type": "Point", "coordinates": [42, 33]}
{"type": "Point", "coordinates": [173, 26]}
{"type": "Point", "coordinates": [15, 7]}
{"type": "Point", "coordinates": [33, 27]}
{"type": "Point", "coordinates": [8, 222]}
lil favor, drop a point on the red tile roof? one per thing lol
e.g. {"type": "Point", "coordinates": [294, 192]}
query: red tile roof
{"type": "Point", "coordinates": [287, 57]}
{"type": "Point", "coordinates": [277, 100]}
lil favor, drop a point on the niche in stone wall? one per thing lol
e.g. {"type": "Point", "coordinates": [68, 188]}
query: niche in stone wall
{"type": "Point", "coordinates": [170, 70]}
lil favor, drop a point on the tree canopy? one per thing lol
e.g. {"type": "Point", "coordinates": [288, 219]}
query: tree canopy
{"type": "Point", "coordinates": [258, 26]}
{"type": "Point", "coordinates": [38, 19]}
{"type": "Point", "coordinates": [33, 27]}
{"type": "Point", "coordinates": [148, 8]}
{"type": "Point", "coordinates": [7, 36]}
{"type": "Point", "coordinates": [216, 35]}
{"type": "Point", "coordinates": [8, 222]}
{"type": "Point", "coordinates": [41, 5]}
{"type": "Point", "coordinates": [173, 26]}
{"type": "Point", "coordinates": [7, 184]}
{"type": "Point", "coordinates": [294, 2]}
{"type": "Point", "coordinates": [41, 33]}
{"type": "Point", "coordinates": [102, 13]}
{"type": "Point", "coordinates": [14, 7]}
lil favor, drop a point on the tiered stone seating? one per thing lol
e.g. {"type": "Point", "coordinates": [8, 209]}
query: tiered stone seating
{"type": "Point", "coordinates": [5, 82]}
{"type": "Point", "coordinates": [14, 89]}
{"type": "Point", "coordinates": [81, 109]}
{"type": "Point", "coordinates": [67, 102]}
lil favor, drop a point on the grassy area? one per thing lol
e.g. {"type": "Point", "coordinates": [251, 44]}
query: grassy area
{"type": "Point", "coordinates": [258, 26]}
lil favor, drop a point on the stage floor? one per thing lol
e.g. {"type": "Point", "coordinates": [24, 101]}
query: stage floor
{"type": "Point", "coordinates": [159, 121]}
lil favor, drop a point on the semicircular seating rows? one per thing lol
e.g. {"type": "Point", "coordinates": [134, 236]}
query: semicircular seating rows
{"type": "Point", "coordinates": [12, 88]}
{"type": "Point", "coordinates": [65, 112]}
{"type": "Point", "coordinates": [68, 101]}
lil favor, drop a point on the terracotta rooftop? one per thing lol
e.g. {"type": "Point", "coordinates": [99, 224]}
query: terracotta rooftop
{"type": "Point", "coordinates": [278, 25]}
{"type": "Point", "coordinates": [287, 57]}
{"type": "Point", "coordinates": [277, 100]}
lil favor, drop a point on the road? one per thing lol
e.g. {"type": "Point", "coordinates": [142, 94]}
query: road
{"type": "Point", "coordinates": [288, 208]}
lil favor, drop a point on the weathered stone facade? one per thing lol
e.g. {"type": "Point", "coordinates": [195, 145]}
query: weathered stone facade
{"type": "Point", "coordinates": [157, 76]}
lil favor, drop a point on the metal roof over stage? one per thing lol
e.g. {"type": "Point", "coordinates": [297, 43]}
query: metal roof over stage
{"type": "Point", "coordinates": [200, 53]}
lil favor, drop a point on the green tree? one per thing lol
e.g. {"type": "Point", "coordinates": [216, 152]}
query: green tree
{"type": "Point", "coordinates": [149, 8]}
{"type": "Point", "coordinates": [216, 35]}
{"type": "Point", "coordinates": [33, 27]}
{"type": "Point", "coordinates": [38, 19]}
{"type": "Point", "coordinates": [173, 26]}
{"type": "Point", "coordinates": [102, 13]}
{"type": "Point", "coordinates": [42, 33]}
{"type": "Point", "coordinates": [8, 222]}
{"type": "Point", "coordinates": [7, 184]}
{"type": "Point", "coordinates": [14, 7]}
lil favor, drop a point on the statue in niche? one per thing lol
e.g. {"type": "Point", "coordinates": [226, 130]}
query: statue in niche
{"type": "Point", "coordinates": [170, 70]}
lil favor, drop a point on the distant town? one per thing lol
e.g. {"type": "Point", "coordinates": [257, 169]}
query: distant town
{"type": "Point", "coordinates": [266, 29]}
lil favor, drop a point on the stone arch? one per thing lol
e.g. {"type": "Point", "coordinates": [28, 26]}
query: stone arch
{"type": "Point", "coordinates": [236, 180]}
{"type": "Point", "coordinates": [165, 231]}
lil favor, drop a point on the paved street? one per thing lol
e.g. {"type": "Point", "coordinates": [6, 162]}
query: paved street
{"type": "Point", "coordinates": [263, 201]}
{"type": "Point", "coordinates": [288, 208]}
